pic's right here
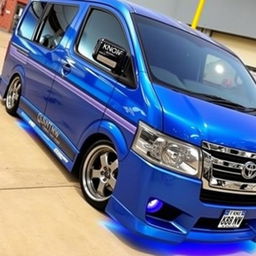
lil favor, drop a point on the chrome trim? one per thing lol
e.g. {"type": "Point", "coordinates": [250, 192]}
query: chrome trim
{"type": "Point", "coordinates": [228, 186]}
{"type": "Point", "coordinates": [212, 166]}
{"type": "Point", "coordinates": [227, 164]}
{"type": "Point", "coordinates": [220, 170]}
{"type": "Point", "coordinates": [226, 150]}
{"type": "Point", "coordinates": [249, 170]}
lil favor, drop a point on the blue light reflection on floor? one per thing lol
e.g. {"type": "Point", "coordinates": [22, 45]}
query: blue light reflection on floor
{"type": "Point", "coordinates": [156, 247]}
{"type": "Point", "coordinates": [22, 124]}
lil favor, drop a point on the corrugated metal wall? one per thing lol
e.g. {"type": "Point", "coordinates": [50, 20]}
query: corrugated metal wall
{"type": "Point", "coordinates": [230, 16]}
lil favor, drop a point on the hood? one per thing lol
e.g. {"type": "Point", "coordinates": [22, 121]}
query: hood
{"type": "Point", "coordinates": [194, 120]}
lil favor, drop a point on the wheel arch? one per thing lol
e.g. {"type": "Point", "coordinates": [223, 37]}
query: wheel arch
{"type": "Point", "coordinates": [106, 131]}
{"type": "Point", "coordinates": [17, 71]}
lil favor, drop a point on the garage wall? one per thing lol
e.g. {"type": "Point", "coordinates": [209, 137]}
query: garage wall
{"type": "Point", "coordinates": [229, 16]}
{"type": "Point", "coordinates": [6, 19]}
{"type": "Point", "coordinates": [7, 15]}
{"type": "Point", "coordinates": [179, 9]}
{"type": "Point", "coordinates": [243, 47]}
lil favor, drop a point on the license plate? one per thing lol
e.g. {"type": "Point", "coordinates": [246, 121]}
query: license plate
{"type": "Point", "coordinates": [231, 219]}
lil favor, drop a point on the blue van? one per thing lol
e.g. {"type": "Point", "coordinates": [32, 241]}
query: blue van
{"type": "Point", "coordinates": [158, 119]}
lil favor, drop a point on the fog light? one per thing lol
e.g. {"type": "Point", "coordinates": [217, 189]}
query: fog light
{"type": "Point", "coordinates": [154, 205]}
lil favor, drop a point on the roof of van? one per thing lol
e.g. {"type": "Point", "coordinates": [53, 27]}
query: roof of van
{"type": "Point", "coordinates": [135, 8]}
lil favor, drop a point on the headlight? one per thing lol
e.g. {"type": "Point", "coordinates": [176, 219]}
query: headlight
{"type": "Point", "coordinates": [167, 152]}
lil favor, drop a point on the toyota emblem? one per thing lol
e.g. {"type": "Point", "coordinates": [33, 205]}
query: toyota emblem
{"type": "Point", "coordinates": [249, 170]}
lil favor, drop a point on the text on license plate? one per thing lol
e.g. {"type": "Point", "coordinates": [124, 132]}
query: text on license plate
{"type": "Point", "coordinates": [231, 219]}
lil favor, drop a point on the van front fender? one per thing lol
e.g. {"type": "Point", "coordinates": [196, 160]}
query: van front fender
{"type": "Point", "coordinates": [110, 130]}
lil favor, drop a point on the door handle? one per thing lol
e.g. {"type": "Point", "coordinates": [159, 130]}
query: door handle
{"type": "Point", "coordinates": [66, 66]}
{"type": "Point", "coordinates": [66, 69]}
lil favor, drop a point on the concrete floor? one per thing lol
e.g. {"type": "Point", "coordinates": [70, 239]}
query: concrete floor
{"type": "Point", "coordinates": [42, 211]}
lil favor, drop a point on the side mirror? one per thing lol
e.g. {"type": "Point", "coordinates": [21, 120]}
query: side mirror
{"type": "Point", "coordinates": [111, 56]}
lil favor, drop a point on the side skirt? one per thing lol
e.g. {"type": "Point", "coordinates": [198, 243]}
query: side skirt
{"type": "Point", "coordinates": [64, 159]}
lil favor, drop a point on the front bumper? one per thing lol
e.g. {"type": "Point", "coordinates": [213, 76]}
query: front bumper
{"type": "Point", "coordinates": [139, 181]}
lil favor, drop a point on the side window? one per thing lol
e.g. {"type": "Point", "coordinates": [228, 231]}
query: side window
{"type": "Point", "coordinates": [31, 19]}
{"type": "Point", "coordinates": [101, 25]}
{"type": "Point", "coordinates": [56, 23]}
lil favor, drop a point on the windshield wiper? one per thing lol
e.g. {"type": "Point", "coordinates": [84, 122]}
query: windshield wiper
{"type": "Point", "coordinates": [234, 105]}
{"type": "Point", "coordinates": [223, 102]}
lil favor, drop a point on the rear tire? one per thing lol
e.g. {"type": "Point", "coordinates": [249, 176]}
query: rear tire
{"type": "Point", "coordinates": [98, 173]}
{"type": "Point", "coordinates": [13, 96]}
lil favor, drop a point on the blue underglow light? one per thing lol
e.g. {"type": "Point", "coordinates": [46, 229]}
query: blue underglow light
{"type": "Point", "coordinates": [154, 205]}
{"type": "Point", "coordinates": [156, 247]}
{"type": "Point", "coordinates": [22, 124]}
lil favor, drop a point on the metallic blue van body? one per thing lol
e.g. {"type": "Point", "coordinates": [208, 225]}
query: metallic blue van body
{"type": "Point", "coordinates": [86, 103]}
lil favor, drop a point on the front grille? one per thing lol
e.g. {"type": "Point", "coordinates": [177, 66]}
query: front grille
{"type": "Point", "coordinates": [229, 171]}
{"type": "Point", "coordinates": [228, 156]}
{"type": "Point", "coordinates": [215, 197]}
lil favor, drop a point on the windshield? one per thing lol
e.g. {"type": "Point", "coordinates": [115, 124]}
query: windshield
{"type": "Point", "coordinates": [187, 63]}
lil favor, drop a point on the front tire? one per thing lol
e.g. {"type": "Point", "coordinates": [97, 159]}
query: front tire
{"type": "Point", "coordinates": [98, 173]}
{"type": "Point", "coordinates": [13, 96]}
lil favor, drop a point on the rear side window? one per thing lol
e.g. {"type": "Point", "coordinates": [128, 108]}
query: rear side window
{"type": "Point", "coordinates": [55, 25]}
{"type": "Point", "coordinates": [31, 19]}
{"type": "Point", "coordinates": [101, 25]}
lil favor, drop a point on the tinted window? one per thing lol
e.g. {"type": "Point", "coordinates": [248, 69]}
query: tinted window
{"type": "Point", "coordinates": [31, 19]}
{"type": "Point", "coordinates": [101, 25]}
{"type": "Point", "coordinates": [56, 23]}
{"type": "Point", "coordinates": [227, 75]}
{"type": "Point", "coordinates": [182, 61]}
